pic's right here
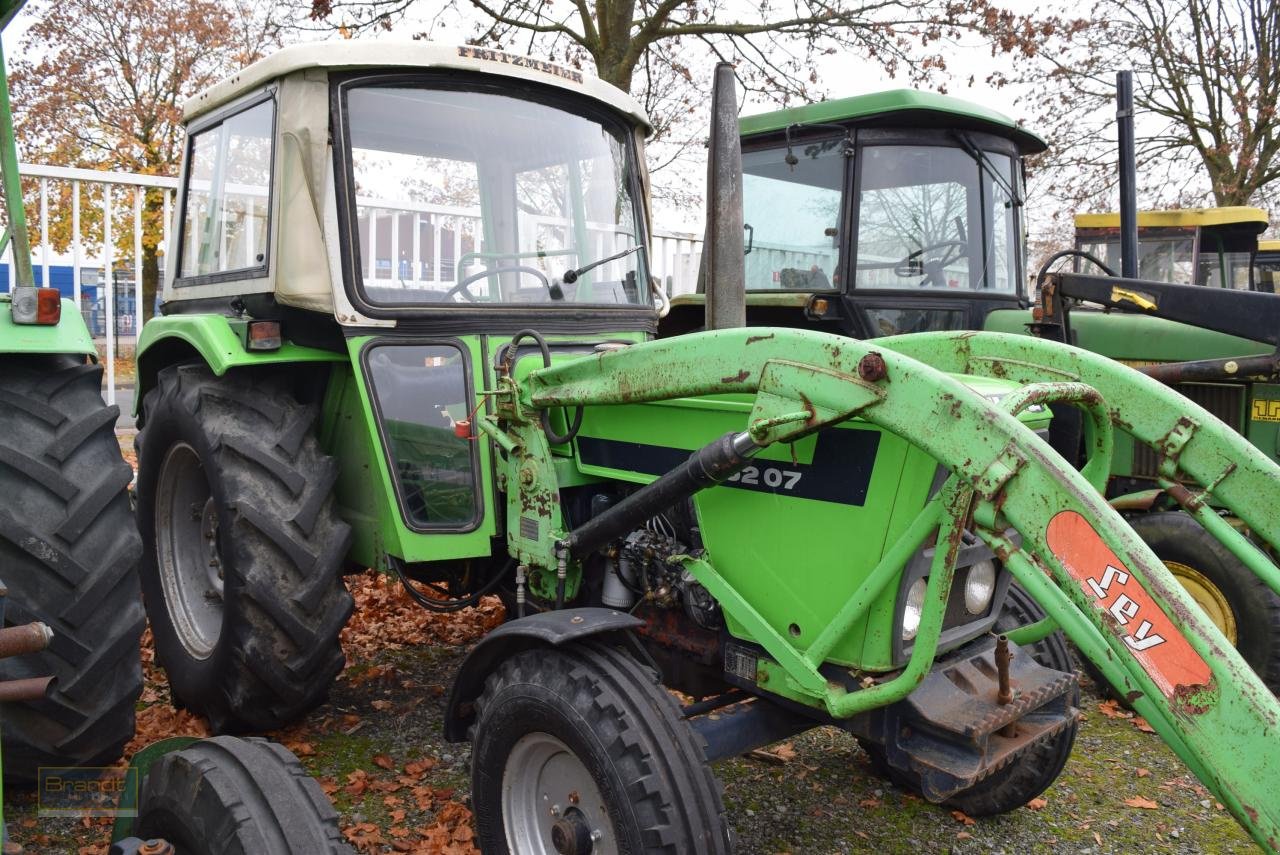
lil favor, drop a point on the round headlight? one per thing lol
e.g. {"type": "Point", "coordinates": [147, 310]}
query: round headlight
{"type": "Point", "coordinates": [979, 587]}
{"type": "Point", "coordinates": [913, 609]}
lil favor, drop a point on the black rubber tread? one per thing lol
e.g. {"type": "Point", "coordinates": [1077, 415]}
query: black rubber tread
{"type": "Point", "coordinates": [69, 555]}
{"type": "Point", "coordinates": [232, 796]}
{"type": "Point", "coordinates": [1031, 773]}
{"type": "Point", "coordinates": [1176, 536]}
{"type": "Point", "coordinates": [281, 542]}
{"type": "Point", "coordinates": [625, 726]}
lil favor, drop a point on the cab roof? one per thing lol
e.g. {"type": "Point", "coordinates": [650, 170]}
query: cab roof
{"type": "Point", "coordinates": [346, 55]}
{"type": "Point", "coordinates": [910, 107]}
{"type": "Point", "coordinates": [1246, 219]}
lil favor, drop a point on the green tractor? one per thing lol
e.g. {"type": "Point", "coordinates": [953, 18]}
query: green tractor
{"type": "Point", "coordinates": [902, 212]}
{"type": "Point", "coordinates": [68, 547]}
{"type": "Point", "coordinates": [411, 326]}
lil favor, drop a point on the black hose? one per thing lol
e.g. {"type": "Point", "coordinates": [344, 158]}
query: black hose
{"type": "Point", "coordinates": [448, 606]}
{"type": "Point", "coordinates": [545, 416]}
{"type": "Point", "coordinates": [1065, 253]}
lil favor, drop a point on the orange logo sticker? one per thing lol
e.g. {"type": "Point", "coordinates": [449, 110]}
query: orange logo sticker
{"type": "Point", "coordinates": [1165, 654]}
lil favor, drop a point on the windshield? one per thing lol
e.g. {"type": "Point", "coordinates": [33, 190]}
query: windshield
{"type": "Point", "coordinates": [937, 217]}
{"type": "Point", "coordinates": [477, 197]}
{"type": "Point", "coordinates": [791, 214]}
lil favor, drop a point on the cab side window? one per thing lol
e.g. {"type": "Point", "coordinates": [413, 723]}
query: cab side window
{"type": "Point", "coordinates": [228, 196]}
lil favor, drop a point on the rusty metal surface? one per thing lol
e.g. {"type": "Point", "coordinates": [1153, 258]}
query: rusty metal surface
{"type": "Point", "coordinates": [1234, 369]}
{"type": "Point", "coordinates": [27, 638]}
{"type": "Point", "coordinates": [29, 689]}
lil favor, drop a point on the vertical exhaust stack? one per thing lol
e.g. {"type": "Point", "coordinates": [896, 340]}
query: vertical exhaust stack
{"type": "Point", "coordinates": [723, 270]}
{"type": "Point", "coordinates": [1128, 177]}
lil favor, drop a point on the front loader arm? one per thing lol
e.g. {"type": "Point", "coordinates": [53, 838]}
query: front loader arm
{"type": "Point", "coordinates": [1076, 555]}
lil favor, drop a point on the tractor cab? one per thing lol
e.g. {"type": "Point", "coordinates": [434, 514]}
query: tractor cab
{"type": "Point", "coordinates": [1193, 246]}
{"type": "Point", "coordinates": [458, 182]}
{"type": "Point", "coordinates": [880, 214]}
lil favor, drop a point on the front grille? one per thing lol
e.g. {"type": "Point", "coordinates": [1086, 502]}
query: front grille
{"type": "Point", "coordinates": [1224, 401]}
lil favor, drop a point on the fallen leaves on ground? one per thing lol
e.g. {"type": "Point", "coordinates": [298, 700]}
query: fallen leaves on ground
{"type": "Point", "coordinates": [386, 618]}
{"type": "Point", "coordinates": [961, 816]}
{"type": "Point", "coordinates": [1142, 803]}
{"type": "Point", "coordinates": [1037, 804]}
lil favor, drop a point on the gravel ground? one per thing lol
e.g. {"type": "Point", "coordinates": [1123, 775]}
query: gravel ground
{"type": "Point", "coordinates": [377, 749]}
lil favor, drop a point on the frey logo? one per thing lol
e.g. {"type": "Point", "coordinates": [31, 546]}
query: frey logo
{"type": "Point", "coordinates": [1164, 653]}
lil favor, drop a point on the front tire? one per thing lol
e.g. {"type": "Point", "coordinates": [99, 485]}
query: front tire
{"type": "Point", "coordinates": [1012, 786]}
{"type": "Point", "coordinates": [68, 554]}
{"type": "Point", "coordinates": [242, 571]}
{"type": "Point", "coordinates": [229, 796]}
{"type": "Point", "coordinates": [580, 749]}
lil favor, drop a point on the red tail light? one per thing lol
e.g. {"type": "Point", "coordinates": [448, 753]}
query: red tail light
{"type": "Point", "coordinates": [29, 305]}
{"type": "Point", "coordinates": [48, 306]}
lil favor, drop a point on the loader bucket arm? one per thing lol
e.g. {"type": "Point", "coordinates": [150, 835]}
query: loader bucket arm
{"type": "Point", "coordinates": [1076, 555]}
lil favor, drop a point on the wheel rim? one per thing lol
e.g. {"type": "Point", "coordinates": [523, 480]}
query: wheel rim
{"type": "Point", "coordinates": [191, 568]}
{"type": "Point", "coordinates": [551, 804]}
{"type": "Point", "coordinates": [1208, 597]}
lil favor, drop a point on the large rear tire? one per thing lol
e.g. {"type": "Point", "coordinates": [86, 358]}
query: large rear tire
{"type": "Point", "coordinates": [68, 556]}
{"type": "Point", "coordinates": [229, 796]}
{"type": "Point", "coordinates": [1235, 599]}
{"type": "Point", "coordinates": [1034, 770]}
{"type": "Point", "coordinates": [580, 749]}
{"type": "Point", "coordinates": [242, 571]}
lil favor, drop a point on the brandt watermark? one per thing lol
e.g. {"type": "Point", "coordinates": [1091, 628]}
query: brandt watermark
{"type": "Point", "coordinates": [87, 791]}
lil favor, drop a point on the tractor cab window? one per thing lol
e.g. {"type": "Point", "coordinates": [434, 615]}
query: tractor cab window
{"type": "Point", "coordinates": [791, 214]}
{"type": "Point", "coordinates": [936, 217]}
{"type": "Point", "coordinates": [472, 197]}
{"type": "Point", "coordinates": [1163, 256]}
{"type": "Point", "coordinates": [227, 198]}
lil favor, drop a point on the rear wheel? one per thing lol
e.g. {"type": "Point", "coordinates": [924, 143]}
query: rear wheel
{"type": "Point", "coordinates": [229, 796]}
{"type": "Point", "coordinates": [68, 556]}
{"type": "Point", "coordinates": [242, 574]}
{"type": "Point", "coordinates": [579, 749]}
{"type": "Point", "coordinates": [1234, 598]}
{"type": "Point", "coordinates": [1034, 770]}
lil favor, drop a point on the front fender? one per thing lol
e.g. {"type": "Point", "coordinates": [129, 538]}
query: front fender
{"type": "Point", "coordinates": [546, 629]}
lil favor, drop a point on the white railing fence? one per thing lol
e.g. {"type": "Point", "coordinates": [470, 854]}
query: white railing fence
{"type": "Point", "coordinates": [113, 193]}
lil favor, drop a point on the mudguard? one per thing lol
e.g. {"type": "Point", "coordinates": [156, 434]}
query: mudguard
{"type": "Point", "coordinates": [549, 629]}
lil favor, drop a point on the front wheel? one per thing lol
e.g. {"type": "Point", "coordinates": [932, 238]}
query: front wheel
{"type": "Point", "coordinates": [578, 750]}
{"type": "Point", "coordinates": [229, 796]}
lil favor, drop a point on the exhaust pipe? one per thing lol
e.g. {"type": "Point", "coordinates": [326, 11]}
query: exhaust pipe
{"type": "Point", "coordinates": [1128, 176]}
{"type": "Point", "coordinates": [722, 273]}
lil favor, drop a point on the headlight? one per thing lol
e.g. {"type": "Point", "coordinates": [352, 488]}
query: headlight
{"type": "Point", "coordinates": [979, 587]}
{"type": "Point", "coordinates": [913, 609]}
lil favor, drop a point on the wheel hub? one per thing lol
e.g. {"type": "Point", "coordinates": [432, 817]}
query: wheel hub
{"type": "Point", "coordinates": [189, 561]}
{"type": "Point", "coordinates": [1208, 597]}
{"type": "Point", "coordinates": [571, 835]}
{"type": "Point", "coordinates": [551, 803]}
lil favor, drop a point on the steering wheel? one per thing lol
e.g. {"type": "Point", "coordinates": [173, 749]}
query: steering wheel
{"type": "Point", "coordinates": [932, 269]}
{"type": "Point", "coordinates": [461, 287]}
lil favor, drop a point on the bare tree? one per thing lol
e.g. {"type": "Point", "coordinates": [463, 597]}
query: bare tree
{"type": "Point", "coordinates": [1207, 83]}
